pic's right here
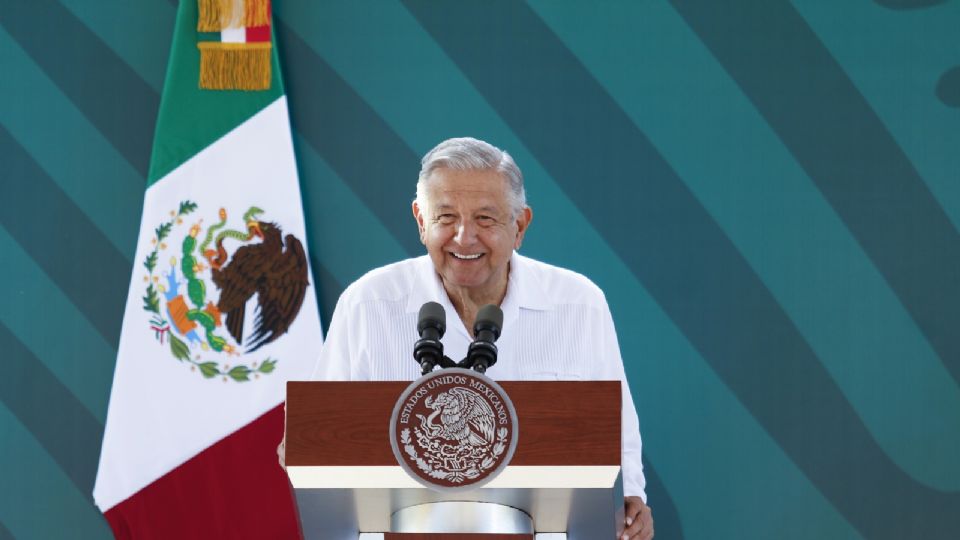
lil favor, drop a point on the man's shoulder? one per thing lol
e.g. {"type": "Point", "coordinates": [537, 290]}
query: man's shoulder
{"type": "Point", "coordinates": [391, 282]}
{"type": "Point", "coordinates": [562, 285]}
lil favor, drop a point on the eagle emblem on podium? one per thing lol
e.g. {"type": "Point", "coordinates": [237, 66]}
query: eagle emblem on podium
{"type": "Point", "coordinates": [454, 429]}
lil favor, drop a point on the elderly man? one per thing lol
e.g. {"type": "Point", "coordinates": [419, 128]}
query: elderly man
{"type": "Point", "coordinates": [472, 215]}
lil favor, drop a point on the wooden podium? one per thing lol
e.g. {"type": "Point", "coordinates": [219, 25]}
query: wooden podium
{"type": "Point", "coordinates": [565, 474]}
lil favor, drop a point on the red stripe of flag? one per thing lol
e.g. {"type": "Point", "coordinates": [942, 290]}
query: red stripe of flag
{"type": "Point", "coordinates": [233, 489]}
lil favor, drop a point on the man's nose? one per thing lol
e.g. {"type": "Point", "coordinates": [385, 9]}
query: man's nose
{"type": "Point", "coordinates": [466, 233]}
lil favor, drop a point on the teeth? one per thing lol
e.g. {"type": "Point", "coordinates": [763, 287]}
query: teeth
{"type": "Point", "coordinates": [467, 257]}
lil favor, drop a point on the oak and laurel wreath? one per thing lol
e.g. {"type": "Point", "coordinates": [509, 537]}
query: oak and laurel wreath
{"type": "Point", "coordinates": [455, 477]}
{"type": "Point", "coordinates": [161, 327]}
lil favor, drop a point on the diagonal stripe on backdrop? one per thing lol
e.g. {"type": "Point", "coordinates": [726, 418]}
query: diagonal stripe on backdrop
{"type": "Point", "coordinates": [320, 93]}
{"type": "Point", "coordinates": [131, 30]}
{"type": "Point", "coordinates": [41, 489]}
{"type": "Point", "coordinates": [75, 254]}
{"type": "Point", "coordinates": [52, 414]}
{"type": "Point", "coordinates": [75, 154]}
{"type": "Point", "coordinates": [117, 100]}
{"type": "Point", "coordinates": [695, 273]}
{"type": "Point", "coordinates": [56, 332]}
{"type": "Point", "coordinates": [847, 152]}
{"type": "Point", "coordinates": [908, 4]}
{"type": "Point", "coordinates": [948, 87]}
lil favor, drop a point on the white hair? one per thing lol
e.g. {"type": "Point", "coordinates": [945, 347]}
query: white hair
{"type": "Point", "coordinates": [467, 153]}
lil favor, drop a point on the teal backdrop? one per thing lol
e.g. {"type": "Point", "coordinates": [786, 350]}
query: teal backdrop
{"type": "Point", "coordinates": [767, 191]}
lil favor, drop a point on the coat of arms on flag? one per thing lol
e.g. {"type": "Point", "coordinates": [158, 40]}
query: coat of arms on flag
{"type": "Point", "coordinates": [262, 269]}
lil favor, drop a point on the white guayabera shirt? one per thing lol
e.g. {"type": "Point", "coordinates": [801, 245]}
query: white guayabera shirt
{"type": "Point", "coordinates": [556, 326]}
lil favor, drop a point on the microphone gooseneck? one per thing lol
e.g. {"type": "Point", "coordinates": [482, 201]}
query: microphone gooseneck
{"type": "Point", "coordinates": [482, 353]}
{"type": "Point", "coordinates": [431, 325]}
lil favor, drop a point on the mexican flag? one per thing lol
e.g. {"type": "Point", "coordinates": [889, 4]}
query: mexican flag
{"type": "Point", "coordinates": [221, 310]}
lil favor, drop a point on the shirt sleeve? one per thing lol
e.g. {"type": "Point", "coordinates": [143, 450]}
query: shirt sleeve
{"type": "Point", "coordinates": [634, 482]}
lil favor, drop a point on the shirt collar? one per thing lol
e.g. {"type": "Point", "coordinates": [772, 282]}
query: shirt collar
{"type": "Point", "coordinates": [524, 290]}
{"type": "Point", "coordinates": [425, 285]}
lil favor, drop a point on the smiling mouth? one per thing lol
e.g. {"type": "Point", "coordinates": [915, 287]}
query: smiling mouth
{"type": "Point", "coordinates": [465, 257]}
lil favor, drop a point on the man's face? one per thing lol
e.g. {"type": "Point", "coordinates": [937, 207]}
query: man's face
{"type": "Point", "coordinates": [468, 229]}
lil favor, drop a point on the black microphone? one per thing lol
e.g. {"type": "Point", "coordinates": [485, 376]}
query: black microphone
{"type": "Point", "coordinates": [482, 352]}
{"type": "Point", "coordinates": [431, 324]}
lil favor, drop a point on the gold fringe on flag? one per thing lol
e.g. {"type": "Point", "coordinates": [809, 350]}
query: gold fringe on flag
{"type": "Point", "coordinates": [256, 13]}
{"type": "Point", "coordinates": [234, 66]}
{"type": "Point", "coordinates": [214, 14]}
{"type": "Point", "coordinates": [217, 15]}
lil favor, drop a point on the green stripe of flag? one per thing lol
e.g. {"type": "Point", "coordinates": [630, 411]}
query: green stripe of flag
{"type": "Point", "coordinates": [179, 136]}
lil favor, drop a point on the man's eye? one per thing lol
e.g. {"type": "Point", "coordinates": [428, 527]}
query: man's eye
{"type": "Point", "coordinates": [486, 221]}
{"type": "Point", "coordinates": [445, 219]}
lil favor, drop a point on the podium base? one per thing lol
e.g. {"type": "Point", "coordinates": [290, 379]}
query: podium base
{"type": "Point", "coordinates": [461, 517]}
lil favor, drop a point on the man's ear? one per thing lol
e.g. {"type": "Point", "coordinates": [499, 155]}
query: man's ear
{"type": "Point", "coordinates": [523, 221]}
{"type": "Point", "coordinates": [419, 217]}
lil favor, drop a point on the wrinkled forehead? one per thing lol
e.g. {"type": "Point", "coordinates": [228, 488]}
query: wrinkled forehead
{"type": "Point", "coordinates": [473, 189]}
